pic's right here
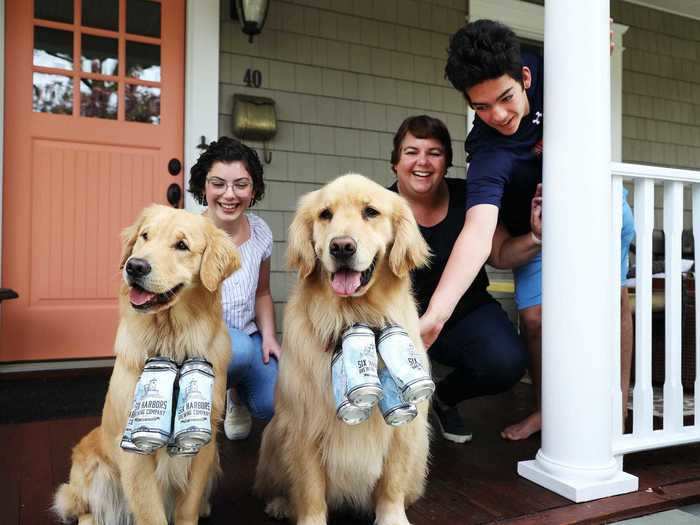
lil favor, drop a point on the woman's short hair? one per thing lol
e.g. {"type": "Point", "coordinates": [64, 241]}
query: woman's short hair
{"type": "Point", "coordinates": [422, 127]}
{"type": "Point", "coordinates": [226, 150]}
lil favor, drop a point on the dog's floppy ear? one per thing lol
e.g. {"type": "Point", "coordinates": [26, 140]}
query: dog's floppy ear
{"type": "Point", "coordinates": [300, 249]}
{"type": "Point", "coordinates": [129, 236]}
{"type": "Point", "coordinates": [410, 249]}
{"type": "Point", "coordinates": [220, 258]}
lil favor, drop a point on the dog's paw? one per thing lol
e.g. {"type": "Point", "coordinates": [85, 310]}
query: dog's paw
{"type": "Point", "coordinates": [391, 517]}
{"type": "Point", "coordinates": [278, 508]}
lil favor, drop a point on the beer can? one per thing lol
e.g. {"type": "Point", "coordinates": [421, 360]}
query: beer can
{"type": "Point", "coordinates": [152, 420]}
{"type": "Point", "coordinates": [126, 442]}
{"type": "Point", "coordinates": [174, 450]}
{"type": "Point", "coordinates": [395, 410]}
{"type": "Point", "coordinates": [344, 409]}
{"type": "Point", "coordinates": [192, 427]}
{"type": "Point", "coordinates": [360, 365]}
{"type": "Point", "coordinates": [405, 364]}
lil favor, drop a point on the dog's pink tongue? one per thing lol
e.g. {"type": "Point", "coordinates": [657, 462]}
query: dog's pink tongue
{"type": "Point", "coordinates": [139, 297]}
{"type": "Point", "coordinates": [345, 282]}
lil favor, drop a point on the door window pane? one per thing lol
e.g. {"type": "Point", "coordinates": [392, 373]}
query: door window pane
{"type": "Point", "coordinates": [98, 98]}
{"type": "Point", "coordinates": [143, 61]}
{"type": "Point", "coordinates": [101, 13]}
{"type": "Point", "coordinates": [53, 48]}
{"type": "Point", "coordinates": [99, 54]}
{"type": "Point", "coordinates": [52, 94]}
{"type": "Point", "coordinates": [143, 18]}
{"type": "Point", "coordinates": [142, 104]}
{"type": "Point", "coordinates": [56, 10]}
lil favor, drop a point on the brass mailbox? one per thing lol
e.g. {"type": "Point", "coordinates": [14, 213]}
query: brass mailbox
{"type": "Point", "coordinates": [254, 118]}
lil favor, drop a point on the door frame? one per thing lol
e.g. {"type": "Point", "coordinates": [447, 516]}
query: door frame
{"type": "Point", "coordinates": [201, 119]}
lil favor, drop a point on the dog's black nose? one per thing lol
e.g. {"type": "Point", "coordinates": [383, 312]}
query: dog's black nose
{"type": "Point", "coordinates": [343, 247]}
{"type": "Point", "coordinates": [138, 267]}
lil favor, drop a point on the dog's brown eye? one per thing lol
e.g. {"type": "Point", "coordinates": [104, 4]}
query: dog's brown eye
{"type": "Point", "coordinates": [369, 212]}
{"type": "Point", "coordinates": [144, 236]}
{"type": "Point", "coordinates": [181, 246]}
{"type": "Point", "coordinates": [326, 215]}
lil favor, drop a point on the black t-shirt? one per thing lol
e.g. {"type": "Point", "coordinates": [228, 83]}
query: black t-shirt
{"type": "Point", "coordinates": [441, 238]}
{"type": "Point", "coordinates": [504, 170]}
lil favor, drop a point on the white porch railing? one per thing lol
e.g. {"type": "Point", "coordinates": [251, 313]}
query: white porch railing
{"type": "Point", "coordinates": [643, 436]}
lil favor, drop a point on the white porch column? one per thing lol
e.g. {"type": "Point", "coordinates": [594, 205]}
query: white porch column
{"type": "Point", "coordinates": [576, 458]}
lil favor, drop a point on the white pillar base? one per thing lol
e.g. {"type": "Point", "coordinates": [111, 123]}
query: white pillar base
{"type": "Point", "coordinates": [578, 488]}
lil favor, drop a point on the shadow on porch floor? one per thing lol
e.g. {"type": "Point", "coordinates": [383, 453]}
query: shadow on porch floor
{"type": "Point", "coordinates": [472, 483]}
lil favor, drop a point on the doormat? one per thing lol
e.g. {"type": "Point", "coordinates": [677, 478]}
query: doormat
{"type": "Point", "coordinates": [688, 402]}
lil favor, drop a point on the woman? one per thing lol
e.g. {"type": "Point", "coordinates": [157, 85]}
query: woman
{"type": "Point", "coordinates": [228, 179]}
{"type": "Point", "coordinates": [478, 341]}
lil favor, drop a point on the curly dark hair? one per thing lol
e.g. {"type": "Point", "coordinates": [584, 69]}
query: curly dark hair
{"type": "Point", "coordinates": [226, 150]}
{"type": "Point", "coordinates": [422, 127]}
{"type": "Point", "coordinates": [482, 50]}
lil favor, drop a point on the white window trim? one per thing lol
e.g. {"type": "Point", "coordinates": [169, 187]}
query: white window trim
{"type": "Point", "coordinates": [527, 20]}
{"type": "Point", "coordinates": [201, 84]}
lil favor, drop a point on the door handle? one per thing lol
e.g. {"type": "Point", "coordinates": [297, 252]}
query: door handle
{"type": "Point", "coordinates": [174, 166]}
{"type": "Point", "coordinates": [174, 194]}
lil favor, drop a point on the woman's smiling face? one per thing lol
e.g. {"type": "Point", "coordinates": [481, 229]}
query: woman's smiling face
{"type": "Point", "coordinates": [421, 165]}
{"type": "Point", "coordinates": [229, 191]}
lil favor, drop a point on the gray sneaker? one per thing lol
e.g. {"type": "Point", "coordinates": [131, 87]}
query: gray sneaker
{"type": "Point", "coordinates": [450, 423]}
{"type": "Point", "coordinates": [238, 421]}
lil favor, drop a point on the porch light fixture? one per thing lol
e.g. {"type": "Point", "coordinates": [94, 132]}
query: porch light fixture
{"type": "Point", "coordinates": [251, 14]}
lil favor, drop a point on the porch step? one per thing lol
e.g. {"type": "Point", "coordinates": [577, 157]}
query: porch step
{"type": "Point", "coordinates": [683, 516]}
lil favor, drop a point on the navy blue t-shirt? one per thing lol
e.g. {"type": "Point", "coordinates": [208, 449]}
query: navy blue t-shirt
{"type": "Point", "coordinates": [505, 170]}
{"type": "Point", "coordinates": [441, 238]}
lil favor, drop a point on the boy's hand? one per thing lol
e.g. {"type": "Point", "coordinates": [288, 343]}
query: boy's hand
{"type": "Point", "coordinates": [536, 213]}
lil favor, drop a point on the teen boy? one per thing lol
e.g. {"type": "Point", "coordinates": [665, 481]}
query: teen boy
{"type": "Point", "coordinates": [504, 149]}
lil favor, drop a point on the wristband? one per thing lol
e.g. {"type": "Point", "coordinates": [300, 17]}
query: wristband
{"type": "Point", "coordinates": [537, 241]}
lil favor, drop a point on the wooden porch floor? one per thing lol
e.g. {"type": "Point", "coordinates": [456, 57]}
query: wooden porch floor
{"type": "Point", "coordinates": [472, 483]}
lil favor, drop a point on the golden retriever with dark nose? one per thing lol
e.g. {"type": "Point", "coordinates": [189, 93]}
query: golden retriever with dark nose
{"type": "Point", "coordinates": [354, 244]}
{"type": "Point", "coordinates": [170, 305]}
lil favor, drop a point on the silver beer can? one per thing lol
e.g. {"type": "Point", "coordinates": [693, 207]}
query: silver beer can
{"type": "Point", "coordinates": [405, 364]}
{"type": "Point", "coordinates": [126, 442]}
{"type": "Point", "coordinates": [174, 450]}
{"type": "Point", "coordinates": [344, 409]}
{"type": "Point", "coordinates": [360, 364]}
{"type": "Point", "coordinates": [395, 410]}
{"type": "Point", "coordinates": [152, 419]}
{"type": "Point", "coordinates": [192, 427]}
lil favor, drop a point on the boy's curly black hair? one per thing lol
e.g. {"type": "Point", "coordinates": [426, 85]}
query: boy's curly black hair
{"type": "Point", "coordinates": [482, 50]}
{"type": "Point", "coordinates": [226, 150]}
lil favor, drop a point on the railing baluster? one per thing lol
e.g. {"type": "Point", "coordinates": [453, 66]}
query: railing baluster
{"type": "Point", "coordinates": [617, 396]}
{"type": "Point", "coordinates": [696, 244]}
{"type": "Point", "coordinates": [644, 227]}
{"type": "Point", "coordinates": [673, 228]}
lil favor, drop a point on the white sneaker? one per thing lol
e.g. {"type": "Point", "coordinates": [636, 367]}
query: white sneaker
{"type": "Point", "coordinates": [238, 421]}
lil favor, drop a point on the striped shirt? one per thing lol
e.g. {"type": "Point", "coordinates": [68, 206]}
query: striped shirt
{"type": "Point", "coordinates": [238, 291]}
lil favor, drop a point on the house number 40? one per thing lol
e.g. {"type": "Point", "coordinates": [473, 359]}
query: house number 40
{"type": "Point", "coordinates": [252, 78]}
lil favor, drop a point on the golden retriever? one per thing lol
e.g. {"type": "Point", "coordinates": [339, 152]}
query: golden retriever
{"type": "Point", "coordinates": [170, 305]}
{"type": "Point", "coordinates": [354, 244]}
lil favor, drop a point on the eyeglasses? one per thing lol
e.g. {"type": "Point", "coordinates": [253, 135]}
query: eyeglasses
{"type": "Point", "coordinates": [238, 186]}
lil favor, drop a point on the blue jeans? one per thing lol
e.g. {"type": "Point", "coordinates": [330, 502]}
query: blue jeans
{"type": "Point", "coordinates": [254, 380]}
{"type": "Point", "coordinates": [487, 355]}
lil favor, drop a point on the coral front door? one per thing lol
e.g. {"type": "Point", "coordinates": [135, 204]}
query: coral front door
{"type": "Point", "coordinates": [93, 118]}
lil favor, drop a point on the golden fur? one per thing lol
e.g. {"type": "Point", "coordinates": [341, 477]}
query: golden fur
{"type": "Point", "coordinates": [111, 486]}
{"type": "Point", "coordinates": [309, 460]}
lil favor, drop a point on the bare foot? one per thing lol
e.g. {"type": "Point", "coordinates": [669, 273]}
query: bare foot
{"type": "Point", "coordinates": [525, 428]}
